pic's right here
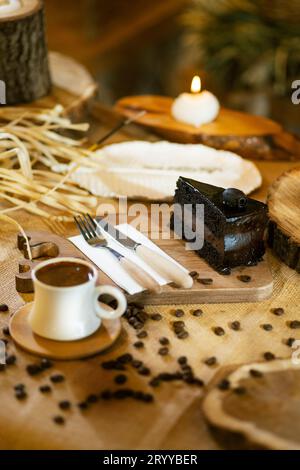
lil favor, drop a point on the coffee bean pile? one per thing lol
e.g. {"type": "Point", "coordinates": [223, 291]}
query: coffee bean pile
{"type": "Point", "coordinates": [179, 329]}
{"type": "Point", "coordinates": [136, 316]}
{"type": "Point", "coordinates": [39, 368]}
{"type": "Point", "coordinates": [122, 363]}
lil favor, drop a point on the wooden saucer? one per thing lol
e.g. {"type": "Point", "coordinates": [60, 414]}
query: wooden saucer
{"type": "Point", "coordinates": [61, 350]}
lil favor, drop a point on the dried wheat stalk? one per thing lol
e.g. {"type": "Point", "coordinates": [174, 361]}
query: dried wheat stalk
{"type": "Point", "coordinates": [31, 139]}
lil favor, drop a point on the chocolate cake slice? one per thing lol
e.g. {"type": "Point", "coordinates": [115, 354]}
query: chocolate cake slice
{"type": "Point", "coordinates": [234, 225]}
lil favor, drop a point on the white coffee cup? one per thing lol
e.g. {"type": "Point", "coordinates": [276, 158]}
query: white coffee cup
{"type": "Point", "coordinates": [71, 313]}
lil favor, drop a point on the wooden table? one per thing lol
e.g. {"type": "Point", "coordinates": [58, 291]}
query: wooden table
{"type": "Point", "coordinates": [174, 420]}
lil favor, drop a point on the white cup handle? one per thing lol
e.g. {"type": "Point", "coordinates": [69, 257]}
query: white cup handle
{"type": "Point", "coordinates": [118, 295]}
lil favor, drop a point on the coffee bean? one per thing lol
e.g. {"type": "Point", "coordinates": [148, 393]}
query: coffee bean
{"type": "Point", "coordinates": [46, 364]}
{"type": "Point", "coordinates": [139, 344]}
{"type": "Point", "coordinates": [239, 390]}
{"type": "Point", "coordinates": [244, 278]}
{"type": "Point", "coordinates": [57, 378]}
{"type": "Point", "coordinates": [206, 282]}
{"type": "Point", "coordinates": [19, 387]}
{"type": "Point", "coordinates": [278, 311]}
{"type": "Point", "coordinates": [199, 382]}
{"type": "Point", "coordinates": [294, 325]}
{"type": "Point", "coordinates": [3, 308]}
{"type": "Point", "coordinates": [197, 313]}
{"type": "Point", "coordinates": [163, 351]}
{"type": "Point", "coordinates": [20, 394]}
{"type": "Point", "coordinates": [11, 360]}
{"type": "Point", "coordinates": [5, 331]}
{"type": "Point", "coordinates": [144, 371]}
{"type": "Point", "coordinates": [164, 341]}
{"type": "Point", "coordinates": [120, 379]}
{"type": "Point", "coordinates": [64, 405]}
{"type": "Point", "coordinates": [33, 369]}
{"type": "Point", "coordinates": [138, 326]}
{"type": "Point", "coordinates": [148, 398]}
{"type": "Point", "coordinates": [267, 327]}
{"type": "Point", "coordinates": [194, 274]}
{"type": "Point", "coordinates": [182, 360]}
{"type": "Point", "coordinates": [45, 389]}
{"type": "Point", "coordinates": [219, 331]}
{"type": "Point", "coordinates": [269, 356]}
{"type": "Point", "coordinates": [182, 335]}
{"type": "Point", "coordinates": [255, 373]}
{"type": "Point", "coordinates": [156, 317]}
{"type": "Point", "coordinates": [59, 420]}
{"type": "Point", "coordinates": [91, 399]}
{"type": "Point", "coordinates": [290, 342]}
{"type": "Point", "coordinates": [120, 394]}
{"type": "Point", "coordinates": [211, 361]}
{"type": "Point", "coordinates": [106, 395]}
{"type": "Point", "coordinates": [224, 271]}
{"type": "Point", "coordinates": [113, 365]}
{"type": "Point", "coordinates": [136, 364]}
{"type": "Point", "coordinates": [178, 324]}
{"type": "Point", "coordinates": [224, 385]}
{"type": "Point", "coordinates": [142, 334]}
{"type": "Point", "coordinates": [235, 325]}
{"type": "Point", "coordinates": [125, 358]}
{"type": "Point", "coordinates": [154, 382]}
{"type": "Point", "coordinates": [83, 405]}
{"type": "Point", "coordinates": [179, 313]}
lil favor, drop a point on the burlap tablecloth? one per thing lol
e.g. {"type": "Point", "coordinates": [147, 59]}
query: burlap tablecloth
{"type": "Point", "coordinates": [174, 420]}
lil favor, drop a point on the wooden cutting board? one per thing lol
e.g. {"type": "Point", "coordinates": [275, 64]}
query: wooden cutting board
{"type": "Point", "coordinates": [248, 135]}
{"type": "Point", "coordinates": [223, 288]}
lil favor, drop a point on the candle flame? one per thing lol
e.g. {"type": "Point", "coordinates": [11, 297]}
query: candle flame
{"type": "Point", "coordinates": [196, 84]}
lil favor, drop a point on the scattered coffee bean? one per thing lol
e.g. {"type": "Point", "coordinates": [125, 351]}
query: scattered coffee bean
{"type": "Point", "coordinates": [3, 308]}
{"type": "Point", "coordinates": [45, 389]}
{"type": "Point", "coordinates": [179, 313]}
{"type": "Point", "coordinates": [11, 360]}
{"type": "Point", "coordinates": [244, 278]}
{"type": "Point", "coordinates": [255, 373]}
{"type": "Point", "coordinates": [120, 394]}
{"type": "Point", "coordinates": [269, 356]}
{"type": "Point", "coordinates": [154, 382]}
{"type": "Point", "coordinates": [59, 420]}
{"type": "Point", "coordinates": [182, 360]}
{"type": "Point", "coordinates": [156, 317]}
{"type": "Point", "coordinates": [125, 358]}
{"type": "Point", "coordinates": [224, 385]}
{"type": "Point", "coordinates": [194, 274]}
{"type": "Point", "coordinates": [33, 369]}
{"type": "Point", "coordinates": [91, 399]}
{"type": "Point", "coordinates": [290, 342]}
{"type": "Point", "coordinates": [178, 324]}
{"type": "Point", "coordinates": [278, 311]}
{"type": "Point", "coordinates": [224, 271]}
{"type": "Point", "coordinates": [138, 344]}
{"type": "Point", "coordinates": [136, 363]}
{"type": "Point", "coordinates": [211, 361]}
{"type": "Point", "coordinates": [83, 405]}
{"type": "Point", "coordinates": [267, 327]}
{"type": "Point", "coordinates": [239, 390]}
{"type": "Point", "coordinates": [235, 325]}
{"type": "Point", "coordinates": [120, 379]}
{"type": "Point", "coordinates": [206, 282]}
{"type": "Point", "coordinates": [164, 341]}
{"type": "Point", "coordinates": [106, 395]}
{"type": "Point", "coordinates": [20, 394]}
{"type": "Point", "coordinates": [19, 387]}
{"type": "Point", "coordinates": [294, 325]}
{"type": "Point", "coordinates": [5, 331]}
{"type": "Point", "coordinates": [57, 378]}
{"type": "Point", "coordinates": [197, 313]}
{"type": "Point", "coordinates": [64, 405]}
{"type": "Point", "coordinates": [46, 364]}
{"type": "Point", "coordinates": [219, 331]}
{"type": "Point", "coordinates": [163, 351]}
{"type": "Point", "coordinates": [144, 371]}
{"type": "Point", "coordinates": [143, 334]}
{"type": "Point", "coordinates": [113, 365]}
{"type": "Point", "coordinates": [182, 335]}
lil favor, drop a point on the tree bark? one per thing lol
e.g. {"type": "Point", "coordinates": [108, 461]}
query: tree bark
{"type": "Point", "coordinates": [24, 56]}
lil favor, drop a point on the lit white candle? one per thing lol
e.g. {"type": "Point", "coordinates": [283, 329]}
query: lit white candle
{"type": "Point", "coordinates": [196, 108]}
{"type": "Point", "coordinates": [8, 6]}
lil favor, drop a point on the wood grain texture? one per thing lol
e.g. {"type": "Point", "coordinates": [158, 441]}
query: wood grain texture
{"type": "Point", "coordinates": [248, 135]}
{"type": "Point", "coordinates": [223, 288]}
{"type": "Point", "coordinates": [61, 350]}
{"type": "Point", "coordinates": [284, 211]}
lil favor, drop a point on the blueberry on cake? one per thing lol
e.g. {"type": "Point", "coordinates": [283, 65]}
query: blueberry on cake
{"type": "Point", "coordinates": [234, 225]}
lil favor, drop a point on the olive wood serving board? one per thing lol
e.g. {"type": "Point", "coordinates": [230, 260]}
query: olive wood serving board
{"type": "Point", "coordinates": [248, 135]}
{"type": "Point", "coordinates": [223, 288]}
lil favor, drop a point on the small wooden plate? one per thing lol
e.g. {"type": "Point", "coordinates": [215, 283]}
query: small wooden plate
{"type": "Point", "coordinates": [61, 350]}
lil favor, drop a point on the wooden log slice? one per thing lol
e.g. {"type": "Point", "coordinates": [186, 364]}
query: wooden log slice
{"type": "Point", "coordinates": [23, 51]}
{"type": "Point", "coordinates": [248, 135]}
{"type": "Point", "coordinates": [284, 211]}
{"type": "Point", "coordinates": [258, 407]}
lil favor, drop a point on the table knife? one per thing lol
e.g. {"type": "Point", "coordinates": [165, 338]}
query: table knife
{"type": "Point", "coordinates": [166, 268]}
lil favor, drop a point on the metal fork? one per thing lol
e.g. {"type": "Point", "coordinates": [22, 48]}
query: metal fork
{"type": "Point", "coordinates": [87, 227]}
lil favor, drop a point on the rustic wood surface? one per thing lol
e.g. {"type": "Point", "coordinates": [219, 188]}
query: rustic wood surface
{"type": "Point", "coordinates": [248, 135]}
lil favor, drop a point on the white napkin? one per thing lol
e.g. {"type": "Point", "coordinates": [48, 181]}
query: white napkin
{"type": "Point", "coordinates": [111, 266]}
